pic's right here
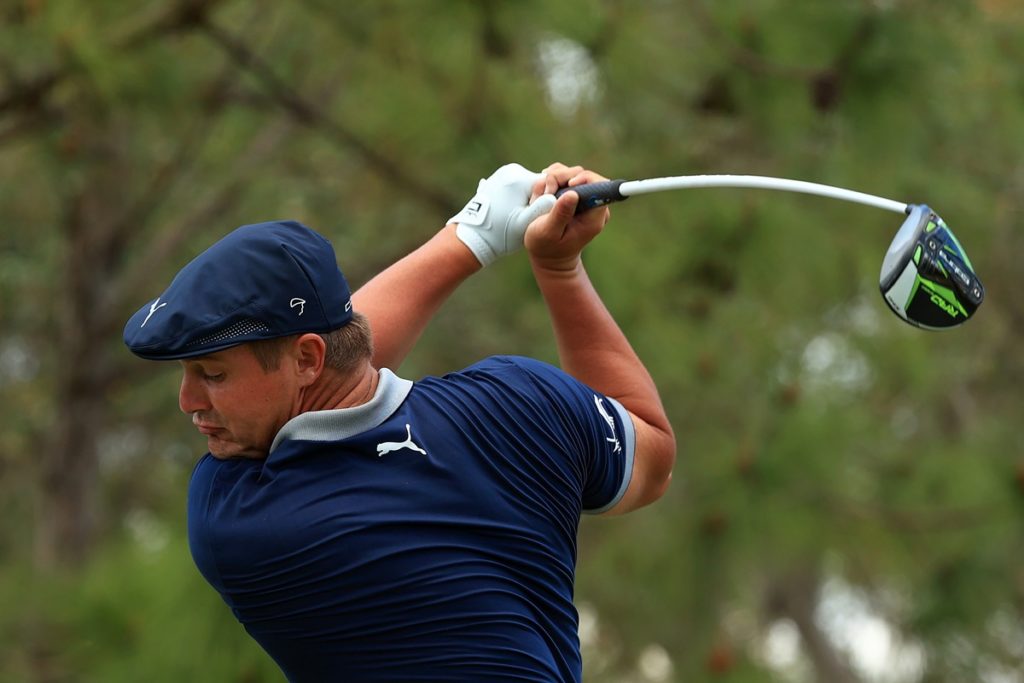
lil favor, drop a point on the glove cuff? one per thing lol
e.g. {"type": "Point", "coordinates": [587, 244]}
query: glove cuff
{"type": "Point", "coordinates": [471, 237]}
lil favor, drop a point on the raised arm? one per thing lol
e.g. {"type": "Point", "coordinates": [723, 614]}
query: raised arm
{"type": "Point", "coordinates": [591, 347]}
{"type": "Point", "coordinates": [401, 300]}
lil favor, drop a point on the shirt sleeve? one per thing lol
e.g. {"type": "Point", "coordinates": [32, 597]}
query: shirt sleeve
{"type": "Point", "coordinates": [612, 469]}
{"type": "Point", "coordinates": [597, 431]}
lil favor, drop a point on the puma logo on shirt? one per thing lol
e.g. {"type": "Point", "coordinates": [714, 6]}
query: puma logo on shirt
{"type": "Point", "coordinates": [614, 440]}
{"type": "Point", "coordinates": [389, 446]}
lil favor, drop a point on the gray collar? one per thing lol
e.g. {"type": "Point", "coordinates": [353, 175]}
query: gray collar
{"type": "Point", "coordinates": [332, 425]}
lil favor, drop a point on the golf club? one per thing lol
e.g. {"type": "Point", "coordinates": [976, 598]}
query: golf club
{"type": "Point", "coordinates": [926, 277]}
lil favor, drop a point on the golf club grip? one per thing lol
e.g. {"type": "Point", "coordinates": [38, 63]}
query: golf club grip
{"type": "Point", "coordinates": [595, 194]}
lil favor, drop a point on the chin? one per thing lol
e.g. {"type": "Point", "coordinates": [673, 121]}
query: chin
{"type": "Point", "coordinates": [223, 451]}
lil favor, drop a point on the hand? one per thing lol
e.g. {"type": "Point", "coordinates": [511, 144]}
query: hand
{"type": "Point", "coordinates": [493, 222]}
{"type": "Point", "coordinates": [556, 239]}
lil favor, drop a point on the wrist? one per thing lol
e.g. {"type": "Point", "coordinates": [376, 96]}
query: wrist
{"type": "Point", "coordinates": [494, 220]}
{"type": "Point", "coordinates": [564, 267]}
{"type": "Point", "coordinates": [459, 251]}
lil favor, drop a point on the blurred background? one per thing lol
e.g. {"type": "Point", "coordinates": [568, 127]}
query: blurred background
{"type": "Point", "coordinates": [848, 504]}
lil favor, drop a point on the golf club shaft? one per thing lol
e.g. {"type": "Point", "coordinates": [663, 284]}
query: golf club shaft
{"type": "Point", "coordinates": [605, 192]}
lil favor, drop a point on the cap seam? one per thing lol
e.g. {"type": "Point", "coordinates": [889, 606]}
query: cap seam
{"type": "Point", "coordinates": [309, 280]}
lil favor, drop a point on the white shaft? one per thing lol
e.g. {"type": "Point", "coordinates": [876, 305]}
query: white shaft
{"type": "Point", "coordinates": [633, 187]}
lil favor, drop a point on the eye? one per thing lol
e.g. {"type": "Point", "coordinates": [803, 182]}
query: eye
{"type": "Point", "coordinates": [217, 377]}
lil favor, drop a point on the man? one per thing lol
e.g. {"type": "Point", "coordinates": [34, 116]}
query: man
{"type": "Point", "coordinates": [367, 528]}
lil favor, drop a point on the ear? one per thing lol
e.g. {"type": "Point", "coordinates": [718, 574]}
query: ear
{"type": "Point", "coordinates": [309, 354]}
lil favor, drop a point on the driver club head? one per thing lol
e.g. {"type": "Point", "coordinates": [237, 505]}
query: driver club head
{"type": "Point", "coordinates": [926, 278]}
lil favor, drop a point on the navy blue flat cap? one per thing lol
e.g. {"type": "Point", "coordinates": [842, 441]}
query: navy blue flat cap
{"type": "Point", "coordinates": [261, 281]}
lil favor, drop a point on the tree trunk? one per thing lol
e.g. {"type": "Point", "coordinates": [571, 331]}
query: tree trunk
{"type": "Point", "coordinates": [796, 596]}
{"type": "Point", "coordinates": [67, 518]}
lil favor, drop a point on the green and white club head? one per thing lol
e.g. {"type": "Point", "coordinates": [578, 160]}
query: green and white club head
{"type": "Point", "coordinates": [927, 279]}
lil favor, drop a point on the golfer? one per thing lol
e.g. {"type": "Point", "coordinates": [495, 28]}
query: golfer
{"type": "Point", "coordinates": [364, 527]}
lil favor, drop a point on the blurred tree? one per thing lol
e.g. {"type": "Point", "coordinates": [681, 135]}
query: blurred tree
{"type": "Point", "coordinates": [830, 456]}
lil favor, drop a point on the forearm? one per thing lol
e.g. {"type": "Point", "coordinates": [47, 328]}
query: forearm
{"type": "Point", "coordinates": [593, 349]}
{"type": "Point", "coordinates": [401, 300]}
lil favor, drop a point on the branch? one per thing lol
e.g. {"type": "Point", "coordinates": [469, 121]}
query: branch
{"type": "Point", "coordinates": [27, 125]}
{"type": "Point", "coordinates": [310, 116]}
{"type": "Point", "coordinates": [186, 15]}
{"type": "Point", "coordinates": [166, 175]}
{"type": "Point", "coordinates": [171, 238]}
{"type": "Point", "coordinates": [337, 17]}
{"type": "Point", "coordinates": [30, 94]}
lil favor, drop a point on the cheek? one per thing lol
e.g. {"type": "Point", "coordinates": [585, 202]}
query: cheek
{"type": "Point", "coordinates": [258, 406]}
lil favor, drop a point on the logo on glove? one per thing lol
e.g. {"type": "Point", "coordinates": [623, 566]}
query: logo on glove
{"type": "Point", "coordinates": [473, 213]}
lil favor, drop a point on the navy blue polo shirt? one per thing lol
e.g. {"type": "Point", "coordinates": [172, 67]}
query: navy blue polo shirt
{"type": "Point", "coordinates": [428, 535]}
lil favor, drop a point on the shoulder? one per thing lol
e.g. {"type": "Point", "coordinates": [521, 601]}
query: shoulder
{"type": "Point", "coordinates": [514, 365]}
{"type": "Point", "coordinates": [517, 373]}
{"type": "Point", "coordinates": [212, 476]}
{"type": "Point", "coordinates": [204, 469]}
{"type": "Point", "coordinates": [519, 376]}
{"type": "Point", "coordinates": [501, 379]}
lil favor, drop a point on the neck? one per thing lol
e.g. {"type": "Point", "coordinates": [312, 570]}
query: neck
{"type": "Point", "coordinates": [333, 390]}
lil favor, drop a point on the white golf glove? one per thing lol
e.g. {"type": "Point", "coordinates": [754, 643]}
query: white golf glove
{"type": "Point", "coordinates": [494, 221]}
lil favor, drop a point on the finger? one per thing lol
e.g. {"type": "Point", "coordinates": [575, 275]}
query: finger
{"type": "Point", "coordinates": [540, 187]}
{"type": "Point", "coordinates": [594, 219]}
{"type": "Point", "coordinates": [562, 173]}
{"type": "Point", "coordinates": [552, 183]}
{"type": "Point", "coordinates": [584, 177]}
{"type": "Point", "coordinates": [555, 167]}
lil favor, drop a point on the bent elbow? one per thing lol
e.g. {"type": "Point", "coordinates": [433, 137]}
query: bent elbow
{"type": "Point", "coordinates": [662, 464]}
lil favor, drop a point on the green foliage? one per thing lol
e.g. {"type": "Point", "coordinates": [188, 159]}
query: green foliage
{"type": "Point", "coordinates": [820, 438]}
{"type": "Point", "coordinates": [138, 612]}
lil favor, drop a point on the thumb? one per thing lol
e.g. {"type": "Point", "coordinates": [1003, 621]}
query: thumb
{"type": "Point", "coordinates": [565, 208]}
{"type": "Point", "coordinates": [541, 205]}
{"type": "Point", "coordinates": [521, 219]}
{"type": "Point", "coordinates": [553, 224]}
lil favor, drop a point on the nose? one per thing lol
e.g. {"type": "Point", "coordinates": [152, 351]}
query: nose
{"type": "Point", "coordinates": [192, 396]}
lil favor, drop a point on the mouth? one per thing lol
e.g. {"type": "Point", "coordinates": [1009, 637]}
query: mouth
{"type": "Point", "coordinates": [207, 430]}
